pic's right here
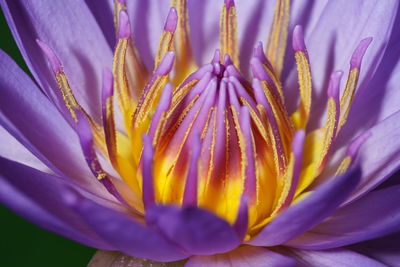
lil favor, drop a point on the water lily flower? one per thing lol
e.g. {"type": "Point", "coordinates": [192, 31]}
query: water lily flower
{"type": "Point", "coordinates": [169, 132]}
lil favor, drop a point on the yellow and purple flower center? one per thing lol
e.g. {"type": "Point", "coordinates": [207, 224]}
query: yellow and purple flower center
{"type": "Point", "coordinates": [206, 136]}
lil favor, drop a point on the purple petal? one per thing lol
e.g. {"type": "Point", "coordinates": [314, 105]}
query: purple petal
{"type": "Point", "coordinates": [332, 258]}
{"type": "Point", "coordinates": [147, 19]}
{"type": "Point", "coordinates": [381, 94]}
{"type": "Point", "coordinates": [39, 128]}
{"type": "Point", "coordinates": [310, 211]}
{"type": "Point", "coordinates": [41, 198]}
{"type": "Point", "coordinates": [245, 256]}
{"type": "Point", "coordinates": [13, 150]}
{"type": "Point", "coordinates": [331, 43]}
{"type": "Point", "coordinates": [377, 214]}
{"type": "Point", "coordinates": [377, 167]}
{"type": "Point", "coordinates": [126, 233]}
{"type": "Point", "coordinates": [195, 230]}
{"type": "Point", "coordinates": [385, 250]}
{"type": "Point", "coordinates": [72, 32]}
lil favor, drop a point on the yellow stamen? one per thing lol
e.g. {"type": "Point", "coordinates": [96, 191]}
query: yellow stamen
{"type": "Point", "coordinates": [344, 165]}
{"type": "Point", "coordinates": [277, 39]}
{"type": "Point", "coordinates": [124, 95]}
{"type": "Point", "coordinates": [228, 33]}
{"type": "Point", "coordinates": [72, 105]}
{"type": "Point", "coordinates": [184, 58]}
{"type": "Point", "coordinates": [348, 95]}
{"type": "Point", "coordinates": [300, 117]}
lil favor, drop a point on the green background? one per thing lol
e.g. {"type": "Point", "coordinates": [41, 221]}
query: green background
{"type": "Point", "coordinates": [22, 243]}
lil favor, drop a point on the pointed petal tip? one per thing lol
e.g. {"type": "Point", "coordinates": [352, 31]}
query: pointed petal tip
{"type": "Point", "coordinates": [359, 53]}
{"type": "Point", "coordinates": [166, 64]}
{"type": "Point", "coordinates": [242, 219]}
{"type": "Point", "coordinates": [229, 3]}
{"type": "Point", "coordinates": [334, 84]}
{"type": "Point", "coordinates": [107, 85]}
{"type": "Point", "coordinates": [124, 27]}
{"type": "Point", "coordinates": [355, 145]}
{"type": "Point", "coordinates": [217, 56]}
{"type": "Point", "coordinates": [258, 50]}
{"type": "Point", "coordinates": [51, 56]}
{"type": "Point", "coordinates": [227, 60]}
{"type": "Point", "coordinates": [172, 20]}
{"type": "Point", "coordinates": [147, 172]}
{"type": "Point", "coordinates": [298, 39]}
{"type": "Point", "coordinates": [298, 141]}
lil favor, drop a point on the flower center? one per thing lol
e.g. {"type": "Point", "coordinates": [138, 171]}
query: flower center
{"type": "Point", "coordinates": [210, 138]}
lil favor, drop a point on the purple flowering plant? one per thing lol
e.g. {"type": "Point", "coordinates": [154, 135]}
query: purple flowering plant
{"type": "Point", "coordinates": [212, 133]}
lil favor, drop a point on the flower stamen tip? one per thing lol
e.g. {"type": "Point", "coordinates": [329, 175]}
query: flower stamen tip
{"type": "Point", "coordinates": [124, 28]}
{"type": "Point", "coordinates": [359, 52]}
{"type": "Point", "coordinates": [166, 64]}
{"type": "Point", "coordinates": [172, 20]}
{"type": "Point", "coordinates": [51, 56]}
{"type": "Point", "coordinates": [298, 39]}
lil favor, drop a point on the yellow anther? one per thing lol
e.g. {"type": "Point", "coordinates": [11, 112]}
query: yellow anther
{"type": "Point", "coordinates": [348, 95]}
{"type": "Point", "coordinates": [277, 39]}
{"type": "Point", "coordinates": [228, 32]}
{"type": "Point", "coordinates": [328, 134]}
{"type": "Point", "coordinates": [184, 59]}
{"type": "Point", "coordinates": [344, 165]}
{"type": "Point", "coordinates": [72, 105]}
{"type": "Point", "coordinates": [300, 117]}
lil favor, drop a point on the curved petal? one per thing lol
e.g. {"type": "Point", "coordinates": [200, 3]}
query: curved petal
{"type": "Point", "coordinates": [72, 31]}
{"type": "Point", "coordinates": [332, 41]}
{"type": "Point", "coordinates": [13, 150]}
{"type": "Point", "coordinates": [359, 19]}
{"type": "Point", "coordinates": [308, 212]}
{"type": "Point", "coordinates": [385, 250]}
{"type": "Point", "coordinates": [103, 12]}
{"type": "Point", "coordinates": [41, 199]}
{"type": "Point", "coordinates": [381, 94]}
{"type": "Point", "coordinates": [245, 256]}
{"type": "Point", "coordinates": [333, 258]}
{"type": "Point", "coordinates": [147, 20]}
{"type": "Point", "coordinates": [125, 233]}
{"type": "Point", "coordinates": [379, 156]}
{"type": "Point", "coordinates": [375, 215]}
{"type": "Point", "coordinates": [31, 118]}
{"type": "Point", "coordinates": [195, 230]}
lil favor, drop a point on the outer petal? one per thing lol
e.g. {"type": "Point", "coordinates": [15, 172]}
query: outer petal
{"type": "Point", "coordinates": [41, 199]}
{"type": "Point", "coordinates": [245, 256]}
{"type": "Point", "coordinates": [71, 30]}
{"type": "Point", "coordinates": [147, 20]}
{"type": "Point", "coordinates": [28, 115]}
{"type": "Point", "coordinates": [333, 258]}
{"type": "Point", "coordinates": [381, 94]}
{"type": "Point", "coordinates": [385, 250]}
{"type": "Point", "coordinates": [332, 41]}
{"type": "Point", "coordinates": [13, 150]}
{"type": "Point", "coordinates": [379, 155]}
{"type": "Point", "coordinates": [125, 233]}
{"type": "Point", "coordinates": [308, 212]}
{"type": "Point", "coordinates": [195, 230]}
{"type": "Point", "coordinates": [377, 214]}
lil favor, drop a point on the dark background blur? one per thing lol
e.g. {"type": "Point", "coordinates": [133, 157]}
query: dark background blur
{"type": "Point", "coordinates": [22, 243]}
